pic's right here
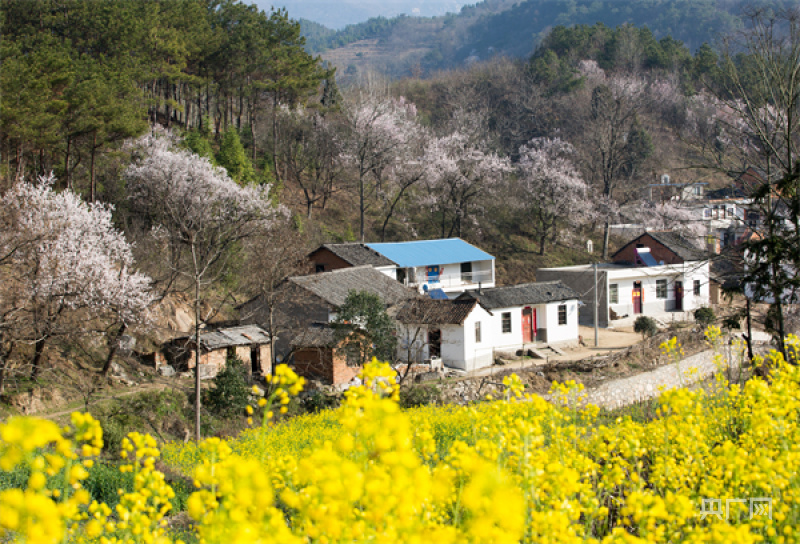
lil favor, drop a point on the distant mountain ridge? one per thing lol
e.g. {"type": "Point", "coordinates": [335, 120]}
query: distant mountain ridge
{"type": "Point", "coordinates": [336, 14]}
{"type": "Point", "coordinates": [404, 45]}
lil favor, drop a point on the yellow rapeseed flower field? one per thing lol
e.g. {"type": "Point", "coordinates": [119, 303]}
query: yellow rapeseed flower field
{"type": "Point", "coordinates": [716, 465]}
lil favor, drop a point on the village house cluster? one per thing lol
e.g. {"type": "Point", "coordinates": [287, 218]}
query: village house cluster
{"type": "Point", "coordinates": [447, 309]}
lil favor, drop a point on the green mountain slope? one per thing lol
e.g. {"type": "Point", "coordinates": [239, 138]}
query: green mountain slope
{"type": "Point", "coordinates": [402, 45]}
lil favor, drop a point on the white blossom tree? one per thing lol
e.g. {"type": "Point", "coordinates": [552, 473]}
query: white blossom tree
{"type": "Point", "coordinates": [553, 192]}
{"type": "Point", "coordinates": [378, 127]}
{"type": "Point", "coordinates": [63, 266]}
{"type": "Point", "coordinates": [198, 215]}
{"type": "Point", "coordinates": [614, 143]}
{"type": "Point", "coordinates": [457, 173]}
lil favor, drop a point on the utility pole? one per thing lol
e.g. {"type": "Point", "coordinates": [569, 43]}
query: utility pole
{"type": "Point", "coordinates": [596, 326]}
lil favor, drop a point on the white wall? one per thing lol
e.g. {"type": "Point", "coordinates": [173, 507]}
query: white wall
{"type": "Point", "coordinates": [624, 278]}
{"type": "Point", "coordinates": [494, 329]}
{"type": "Point", "coordinates": [476, 354]}
{"type": "Point", "coordinates": [412, 342]}
{"type": "Point", "coordinates": [701, 273]}
{"type": "Point", "coordinates": [560, 334]}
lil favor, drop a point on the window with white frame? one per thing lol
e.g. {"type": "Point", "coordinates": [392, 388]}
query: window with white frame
{"type": "Point", "coordinates": [661, 288]}
{"type": "Point", "coordinates": [562, 314]}
{"type": "Point", "coordinates": [506, 319]}
{"type": "Point", "coordinates": [697, 287]}
{"type": "Point", "coordinates": [613, 293]}
{"type": "Point", "coordinates": [477, 332]}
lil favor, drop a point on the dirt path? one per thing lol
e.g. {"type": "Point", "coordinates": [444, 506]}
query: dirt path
{"type": "Point", "coordinates": [78, 407]}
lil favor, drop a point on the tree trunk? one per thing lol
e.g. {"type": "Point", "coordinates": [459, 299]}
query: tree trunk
{"type": "Point", "coordinates": [197, 390]}
{"type": "Point", "coordinates": [112, 349]}
{"type": "Point", "coordinates": [38, 350]}
{"type": "Point", "coordinates": [93, 187]}
{"type": "Point", "coordinates": [67, 179]}
{"type": "Point", "coordinates": [361, 205]}
{"type": "Point", "coordinates": [606, 236]}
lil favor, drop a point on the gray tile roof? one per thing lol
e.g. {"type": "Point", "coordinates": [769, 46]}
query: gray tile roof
{"type": "Point", "coordinates": [314, 337]}
{"type": "Point", "coordinates": [426, 311]}
{"type": "Point", "coordinates": [682, 247]}
{"type": "Point", "coordinates": [523, 294]}
{"type": "Point", "coordinates": [333, 287]}
{"type": "Point", "coordinates": [357, 254]}
{"type": "Point", "coordinates": [245, 335]}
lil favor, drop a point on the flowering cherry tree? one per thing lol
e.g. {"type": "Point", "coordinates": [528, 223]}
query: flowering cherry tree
{"type": "Point", "coordinates": [671, 216]}
{"type": "Point", "coordinates": [62, 260]}
{"type": "Point", "coordinates": [553, 191]}
{"type": "Point", "coordinates": [198, 216]}
{"type": "Point", "coordinates": [378, 130]}
{"type": "Point", "coordinates": [457, 173]}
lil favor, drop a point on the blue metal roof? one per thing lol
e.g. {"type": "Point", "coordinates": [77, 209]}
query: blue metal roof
{"type": "Point", "coordinates": [436, 294]}
{"type": "Point", "coordinates": [430, 252]}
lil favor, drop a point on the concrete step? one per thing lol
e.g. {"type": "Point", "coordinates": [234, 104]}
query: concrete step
{"type": "Point", "coordinates": [536, 354]}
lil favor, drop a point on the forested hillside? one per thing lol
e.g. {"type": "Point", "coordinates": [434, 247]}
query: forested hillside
{"type": "Point", "coordinates": [515, 29]}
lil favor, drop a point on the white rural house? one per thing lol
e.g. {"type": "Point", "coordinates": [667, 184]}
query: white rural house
{"type": "Point", "coordinates": [656, 273]}
{"type": "Point", "coordinates": [540, 313]}
{"type": "Point", "coordinates": [451, 265]}
{"type": "Point", "coordinates": [468, 332]}
{"type": "Point", "coordinates": [449, 330]}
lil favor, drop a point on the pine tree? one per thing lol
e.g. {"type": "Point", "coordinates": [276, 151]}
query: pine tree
{"type": "Point", "coordinates": [232, 157]}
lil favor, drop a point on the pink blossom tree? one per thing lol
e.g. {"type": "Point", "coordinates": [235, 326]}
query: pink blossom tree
{"type": "Point", "coordinates": [671, 216]}
{"type": "Point", "coordinates": [553, 192]}
{"type": "Point", "coordinates": [458, 171]}
{"type": "Point", "coordinates": [198, 216]}
{"type": "Point", "coordinates": [63, 261]}
{"type": "Point", "coordinates": [378, 128]}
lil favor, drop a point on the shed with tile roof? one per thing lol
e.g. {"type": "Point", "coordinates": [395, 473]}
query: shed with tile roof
{"type": "Point", "coordinates": [250, 343]}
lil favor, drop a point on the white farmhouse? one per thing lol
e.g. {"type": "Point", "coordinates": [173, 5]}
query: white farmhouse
{"type": "Point", "coordinates": [654, 274]}
{"type": "Point", "coordinates": [468, 332]}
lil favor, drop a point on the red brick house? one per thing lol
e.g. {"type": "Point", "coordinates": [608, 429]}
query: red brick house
{"type": "Point", "coordinates": [319, 355]}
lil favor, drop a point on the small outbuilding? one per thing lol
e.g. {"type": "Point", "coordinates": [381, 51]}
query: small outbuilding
{"type": "Point", "coordinates": [320, 355]}
{"type": "Point", "coordinates": [249, 343]}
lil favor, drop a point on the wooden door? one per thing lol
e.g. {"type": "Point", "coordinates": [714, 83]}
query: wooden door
{"type": "Point", "coordinates": [527, 324]}
{"type": "Point", "coordinates": [637, 298]}
{"type": "Point", "coordinates": [679, 296]}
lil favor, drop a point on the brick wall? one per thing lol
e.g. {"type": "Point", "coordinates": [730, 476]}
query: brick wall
{"type": "Point", "coordinates": [342, 373]}
{"type": "Point", "coordinates": [325, 364]}
{"type": "Point", "coordinates": [328, 259]}
{"type": "Point", "coordinates": [265, 359]}
{"type": "Point", "coordinates": [659, 251]}
{"type": "Point", "coordinates": [314, 364]}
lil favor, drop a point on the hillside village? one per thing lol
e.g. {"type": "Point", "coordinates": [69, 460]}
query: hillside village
{"type": "Point", "coordinates": [248, 296]}
{"type": "Point", "coordinates": [489, 233]}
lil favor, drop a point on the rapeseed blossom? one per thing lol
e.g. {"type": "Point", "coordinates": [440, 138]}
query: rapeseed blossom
{"type": "Point", "coordinates": [519, 469]}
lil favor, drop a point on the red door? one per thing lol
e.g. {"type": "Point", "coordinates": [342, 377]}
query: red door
{"type": "Point", "coordinates": [679, 296]}
{"type": "Point", "coordinates": [637, 300]}
{"type": "Point", "coordinates": [527, 322]}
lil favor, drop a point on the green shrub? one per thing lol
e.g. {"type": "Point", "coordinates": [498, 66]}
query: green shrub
{"type": "Point", "coordinates": [646, 326]}
{"type": "Point", "coordinates": [231, 392]}
{"type": "Point", "coordinates": [420, 395]}
{"type": "Point", "coordinates": [732, 322]}
{"type": "Point", "coordinates": [704, 316]}
{"type": "Point", "coordinates": [318, 401]}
